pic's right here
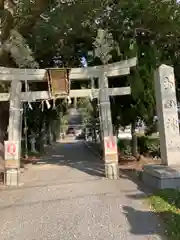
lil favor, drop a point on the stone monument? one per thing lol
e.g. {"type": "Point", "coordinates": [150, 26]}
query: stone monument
{"type": "Point", "coordinates": [166, 175]}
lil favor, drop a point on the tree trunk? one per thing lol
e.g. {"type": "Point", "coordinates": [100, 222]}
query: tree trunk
{"type": "Point", "coordinates": [134, 146]}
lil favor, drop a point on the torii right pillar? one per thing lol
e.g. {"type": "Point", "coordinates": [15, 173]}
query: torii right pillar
{"type": "Point", "coordinates": [110, 153]}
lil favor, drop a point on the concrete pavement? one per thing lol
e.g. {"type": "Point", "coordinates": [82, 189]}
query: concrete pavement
{"type": "Point", "coordinates": [65, 197]}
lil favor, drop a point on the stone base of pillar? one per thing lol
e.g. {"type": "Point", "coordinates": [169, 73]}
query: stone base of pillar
{"type": "Point", "coordinates": [12, 177]}
{"type": "Point", "coordinates": [112, 170]}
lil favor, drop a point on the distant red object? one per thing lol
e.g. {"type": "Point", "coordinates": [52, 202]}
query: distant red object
{"type": "Point", "coordinates": [70, 131]}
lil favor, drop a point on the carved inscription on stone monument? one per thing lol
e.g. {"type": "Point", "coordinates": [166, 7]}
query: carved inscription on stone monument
{"type": "Point", "coordinates": [172, 124]}
{"type": "Point", "coordinates": [171, 120]}
{"type": "Point", "coordinates": [168, 82]}
{"type": "Point", "coordinates": [170, 104]}
{"type": "Point", "coordinates": [173, 145]}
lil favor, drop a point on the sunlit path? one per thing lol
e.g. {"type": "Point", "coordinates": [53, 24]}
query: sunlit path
{"type": "Point", "coordinates": [65, 196]}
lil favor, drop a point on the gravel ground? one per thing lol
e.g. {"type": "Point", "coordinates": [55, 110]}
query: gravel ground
{"type": "Point", "coordinates": [65, 197]}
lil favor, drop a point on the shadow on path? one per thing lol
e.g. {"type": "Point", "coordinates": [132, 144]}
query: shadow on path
{"type": "Point", "coordinates": [76, 155]}
{"type": "Point", "coordinates": [142, 222]}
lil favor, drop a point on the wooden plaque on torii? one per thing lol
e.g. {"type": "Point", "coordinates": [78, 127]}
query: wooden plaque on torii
{"type": "Point", "coordinates": [59, 82]}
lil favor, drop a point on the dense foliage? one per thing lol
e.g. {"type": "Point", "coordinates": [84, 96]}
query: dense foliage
{"type": "Point", "coordinates": [42, 33]}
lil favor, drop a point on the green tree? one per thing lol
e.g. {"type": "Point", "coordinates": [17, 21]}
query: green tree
{"type": "Point", "coordinates": [149, 30]}
{"type": "Point", "coordinates": [33, 32]}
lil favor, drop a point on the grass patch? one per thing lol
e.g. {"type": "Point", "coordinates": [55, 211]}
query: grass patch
{"type": "Point", "coordinates": [166, 203]}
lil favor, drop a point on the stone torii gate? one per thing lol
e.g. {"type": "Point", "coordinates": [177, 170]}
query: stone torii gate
{"type": "Point", "coordinates": [16, 97]}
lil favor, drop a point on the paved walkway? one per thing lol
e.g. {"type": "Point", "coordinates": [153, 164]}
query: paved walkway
{"type": "Point", "coordinates": [65, 197]}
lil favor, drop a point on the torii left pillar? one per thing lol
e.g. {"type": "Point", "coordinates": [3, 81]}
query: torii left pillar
{"type": "Point", "coordinates": [110, 153]}
{"type": "Point", "coordinates": [13, 145]}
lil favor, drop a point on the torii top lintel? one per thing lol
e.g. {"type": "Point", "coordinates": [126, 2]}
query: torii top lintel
{"type": "Point", "coordinates": [39, 75]}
